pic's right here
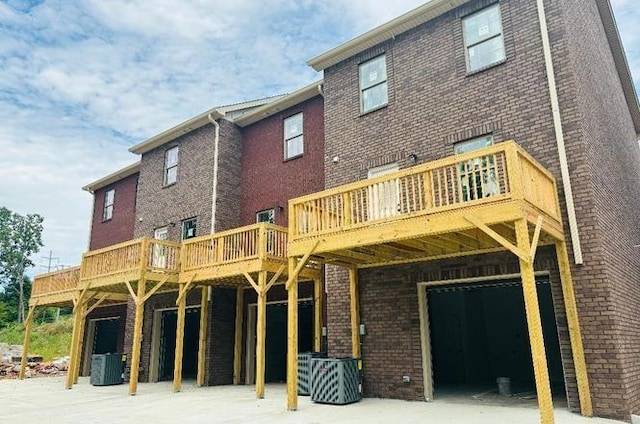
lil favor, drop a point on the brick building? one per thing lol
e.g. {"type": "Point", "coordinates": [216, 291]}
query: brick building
{"type": "Point", "coordinates": [444, 79]}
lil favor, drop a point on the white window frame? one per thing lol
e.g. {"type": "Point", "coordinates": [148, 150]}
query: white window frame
{"type": "Point", "coordinates": [468, 47]}
{"type": "Point", "coordinates": [471, 172]}
{"type": "Point", "coordinates": [364, 89]}
{"type": "Point", "coordinates": [383, 199]}
{"type": "Point", "coordinates": [109, 200]}
{"type": "Point", "coordinates": [297, 136]}
{"type": "Point", "coordinates": [184, 224]}
{"type": "Point", "coordinates": [271, 214]}
{"type": "Point", "coordinates": [159, 259]}
{"type": "Point", "coordinates": [168, 167]}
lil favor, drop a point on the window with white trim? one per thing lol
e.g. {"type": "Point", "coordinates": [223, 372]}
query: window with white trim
{"type": "Point", "coordinates": [483, 38]}
{"type": "Point", "coordinates": [478, 175]}
{"type": "Point", "coordinates": [383, 198]}
{"type": "Point", "coordinates": [373, 84]}
{"type": "Point", "coordinates": [171, 166]}
{"type": "Point", "coordinates": [267, 215]}
{"type": "Point", "coordinates": [293, 136]}
{"type": "Point", "coordinates": [109, 198]}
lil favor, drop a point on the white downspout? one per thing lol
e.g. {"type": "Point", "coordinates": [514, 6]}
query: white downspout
{"type": "Point", "coordinates": [557, 123]}
{"type": "Point", "coordinates": [93, 211]}
{"type": "Point", "coordinates": [214, 193]}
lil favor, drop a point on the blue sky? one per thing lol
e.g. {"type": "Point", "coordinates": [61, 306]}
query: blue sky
{"type": "Point", "coordinates": [83, 80]}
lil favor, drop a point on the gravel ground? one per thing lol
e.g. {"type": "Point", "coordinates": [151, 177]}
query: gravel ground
{"type": "Point", "coordinates": [44, 400]}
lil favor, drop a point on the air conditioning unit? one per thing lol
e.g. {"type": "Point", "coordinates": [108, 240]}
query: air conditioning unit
{"type": "Point", "coordinates": [106, 369]}
{"type": "Point", "coordinates": [304, 371]}
{"type": "Point", "coordinates": [335, 381]}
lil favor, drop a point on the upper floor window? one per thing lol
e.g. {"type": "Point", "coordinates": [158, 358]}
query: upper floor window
{"type": "Point", "coordinates": [109, 197]}
{"type": "Point", "coordinates": [483, 38]}
{"type": "Point", "coordinates": [293, 136]}
{"type": "Point", "coordinates": [267, 215]}
{"type": "Point", "coordinates": [188, 228]}
{"type": "Point", "coordinates": [171, 166]}
{"type": "Point", "coordinates": [373, 84]}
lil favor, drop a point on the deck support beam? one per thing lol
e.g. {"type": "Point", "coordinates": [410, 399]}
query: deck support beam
{"type": "Point", "coordinates": [292, 336]}
{"type": "Point", "coordinates": [177, 365]}
{"type": "Point", "coordinates": [27, 340]}
{"type": "Point", "coordinates": [79, 345]}
{"type": "Point", "coordinates": [354, 306]}
{"type": "Point", "coordinates": [137, 338]}
{"type": "Point", "coordinates": [318, 289]}
{"type": "Point", "coordinates": [237, 344]}
{"type": "Point", "coordinates": [76, 337]}
{"type": "Point", "coordinates": [575, 335]}
{"type": "Point", "coordinates": [202, 341]}
{"type": "Point", "coordinates": [261, 334]}
{"type": "Point", "coordinates": [534, 324]}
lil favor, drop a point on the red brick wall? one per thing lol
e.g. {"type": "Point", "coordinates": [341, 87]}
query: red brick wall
{"type": "Point", "coordinates": [434, 103]}
{"type": "Point", "coordinates": [268, 180]}
{"type": "Point", "coordinates": [120, 227]}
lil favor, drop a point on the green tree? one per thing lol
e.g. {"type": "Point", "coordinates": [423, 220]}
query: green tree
{"type": "Point", "coordinates": [20, 237]}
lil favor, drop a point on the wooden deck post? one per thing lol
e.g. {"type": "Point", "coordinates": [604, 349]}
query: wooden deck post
{"type": "Point", "coordinates": [292, 338]}
{"type": "Point", "coordinates": [177, 364]}
{"type": "Point", "coordinates": [237, 345]}
{"type": "Point", "coordinates": [261, 334]}
{"type": "Point", "coordinates": [202, 342]}
{"type": "Point", "coordinates": [575, 335]}
{"type": "Point", "coordinates": [77, 312]}
{"type": "Point", "coordinates": [534, 324]}
{"type": "Point", "coordinates": [27, 340]}
{"type": "Point", "coordinates": [355, 312]}
{"type": "Point", "coordinates": [318, 289]}
{"type": "Point", "coordinates": [137, 337]}
{"type": "Point", "coordinates": [80, 344]}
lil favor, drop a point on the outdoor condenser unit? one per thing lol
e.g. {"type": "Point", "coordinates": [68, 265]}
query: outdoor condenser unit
{"type": "Point", "coordinates": [304, 371]}
{"type": "Point", "coordinates": [335, 380]}
{"type": "Point", "coordinates": [106, 369]}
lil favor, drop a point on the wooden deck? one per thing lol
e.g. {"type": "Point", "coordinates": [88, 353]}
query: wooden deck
{"type": "Point", "coordinates": [437, 210]}
{"type": "Point", "coordinates": [225, 258]}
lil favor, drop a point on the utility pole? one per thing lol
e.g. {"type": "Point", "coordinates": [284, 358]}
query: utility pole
{"type": "Point", "coordinates": [49, 260]}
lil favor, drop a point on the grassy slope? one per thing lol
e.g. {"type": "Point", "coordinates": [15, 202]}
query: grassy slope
{"type": "Point", "coordinates": [50, 340]}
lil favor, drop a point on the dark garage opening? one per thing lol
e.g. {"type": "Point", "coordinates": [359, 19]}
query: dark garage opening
{"type": "Point", "coordinates": [479, 333]}
{"type": "Point", "coordinates": [276, 342]}
{"type": "Point", "coordinates": [105, 339]}
{"type": "Point", "coordinates": [167, 352]}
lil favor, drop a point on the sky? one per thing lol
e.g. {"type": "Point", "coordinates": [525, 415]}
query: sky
{"type": "Point", "coordinates": [81, 81]}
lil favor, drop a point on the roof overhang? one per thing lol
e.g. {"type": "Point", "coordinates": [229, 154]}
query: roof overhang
{"type": "Point", "coordinates": [435, 8]}
{"type": "Point", "coordinates": [620, 60]}
{"type": "Point", "coordinates": [112, 178]}
{"type": "Point", "coordinates": [310, 91]}
{"type": "Point", "coordinates": [195, 123]}
{"type": "Point", "coordinates": [384, 32]}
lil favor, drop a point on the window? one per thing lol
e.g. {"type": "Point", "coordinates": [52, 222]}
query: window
{"type": "Point", "coordinates": [267, 215]}
{"type": "Point", "coordinates": [171, 166]}
{"type": "Point", "coordinates": [109, 197]}
{"type": "Point", "coordinates": [293, 136]}
{"type": "Point", "coordinates": [483, 39]}
{"type": "Point", "coordinates": [478, 175]}
{"type": "Point", "coordinates": [159, 258]}
{"type": "Point", "coordinates": [373, 84]}
{"type": "Point", "coordinates": [188, 228]}
{"type": "Point", "coordinates": [383, 198]}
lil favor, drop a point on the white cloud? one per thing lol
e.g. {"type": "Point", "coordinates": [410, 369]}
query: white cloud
{"type": "Point", "coordinates": [83, 80]}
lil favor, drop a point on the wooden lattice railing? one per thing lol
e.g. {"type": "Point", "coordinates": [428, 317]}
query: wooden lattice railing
{"type": "Point", "coordinates": [500, 172]}
{"type": "Point", "coordinates": [135, 255]}
{"type": "Point", "coordinates": [56, 282]}
{"type": "Point", "coordinates": [258, 241]}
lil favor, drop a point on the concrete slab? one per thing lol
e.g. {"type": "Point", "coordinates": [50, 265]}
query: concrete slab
{"type": "Point", "coordinates": [44, 400]}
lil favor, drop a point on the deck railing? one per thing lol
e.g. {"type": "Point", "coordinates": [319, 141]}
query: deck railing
{"type": "Point", "coordinates": [56, 282]}
{"type": "Point", "coordinates": [132, 256]}
{"type": "Point", "coordinates": [500, 172]}
{"type": "Point", "coordinates": [258, 241]}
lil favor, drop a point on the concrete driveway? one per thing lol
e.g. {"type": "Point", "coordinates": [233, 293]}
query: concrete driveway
{"type": "Point", "coordinates": [44, 400]}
